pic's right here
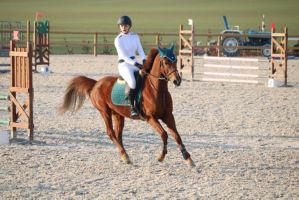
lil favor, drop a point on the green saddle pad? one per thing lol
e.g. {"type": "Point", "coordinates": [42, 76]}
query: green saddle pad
{"type": "Point", "coordinates": [118, 95]}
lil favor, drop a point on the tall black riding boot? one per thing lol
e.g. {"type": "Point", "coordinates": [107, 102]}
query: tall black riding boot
{"type": "Point", "coordinates": [132, 95]}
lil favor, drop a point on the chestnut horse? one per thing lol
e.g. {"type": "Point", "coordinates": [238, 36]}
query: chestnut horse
{"type": "Point", "coordinates": [160, 67]}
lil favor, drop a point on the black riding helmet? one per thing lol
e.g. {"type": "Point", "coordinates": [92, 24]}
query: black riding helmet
{"type": "Point", "coordinates": [124, 20]}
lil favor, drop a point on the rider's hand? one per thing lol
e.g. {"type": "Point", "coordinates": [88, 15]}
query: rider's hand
{"type": "Point", "coordinates": [142, 72]}
{"type": "Point", "coordinates": [140, 66]}
{"type": "Point", "coordinates": [143, 62]}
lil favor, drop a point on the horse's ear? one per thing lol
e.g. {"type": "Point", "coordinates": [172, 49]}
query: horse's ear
{"type": "Point", "coordinates": [172, 47]}
{"type": "Point", "coordinates": [161, 51]}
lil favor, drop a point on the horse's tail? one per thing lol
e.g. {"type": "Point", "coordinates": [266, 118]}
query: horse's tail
{"type": "Point", "coordinates": [75, 94]}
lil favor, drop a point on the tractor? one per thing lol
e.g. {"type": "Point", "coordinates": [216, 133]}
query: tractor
{"type": "Point", "coordinates": [230, 39]}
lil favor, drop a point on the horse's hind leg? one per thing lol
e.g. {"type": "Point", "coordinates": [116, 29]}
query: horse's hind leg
{"type": "Point", "coordinates": [107, 117]}
{"type": "Point", "coordinates": [170, 122]}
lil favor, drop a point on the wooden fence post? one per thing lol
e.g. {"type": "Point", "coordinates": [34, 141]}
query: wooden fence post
{"type": "Point", "coordinates": [158, 39]}
{"type": "Point", "coordinates": [95, 44]}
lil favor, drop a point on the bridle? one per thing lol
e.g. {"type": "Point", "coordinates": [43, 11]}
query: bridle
{"type": "Point", "coordinates": [165, 76]}
{"type": "Point", "coordinates": [173, 70]}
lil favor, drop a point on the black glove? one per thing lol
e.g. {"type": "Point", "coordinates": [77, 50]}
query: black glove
{"type": "Point", "coordinates": [140, 66]}
{"type": "Point", "coordinates": [143, 62]}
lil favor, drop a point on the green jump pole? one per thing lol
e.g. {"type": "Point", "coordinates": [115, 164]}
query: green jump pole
{"type": "Point", "coordinates": [4, 97]}
{"type": "Point", "coordinates": [5, 108]}
{"type": "Point", "coordinates": [4, 121]}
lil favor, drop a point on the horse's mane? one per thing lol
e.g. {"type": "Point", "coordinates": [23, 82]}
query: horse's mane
{"type": "Point", "coordinates": [150, 59]}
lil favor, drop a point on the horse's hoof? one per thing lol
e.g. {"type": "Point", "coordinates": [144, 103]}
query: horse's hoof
{"type": "Point", "coordinates": [190, 162]}
{"type": "Point", "coordinates": [161, 158]}
{"type": "Point", "coordinates": [125, 158]}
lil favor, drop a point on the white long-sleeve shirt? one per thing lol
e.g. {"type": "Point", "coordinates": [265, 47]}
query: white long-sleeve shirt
{"type": "Point", "coordinates": [127, 45]}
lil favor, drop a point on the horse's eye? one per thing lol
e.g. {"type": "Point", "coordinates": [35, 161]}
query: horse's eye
{"type": "Point", "coordinates": [166, 62]}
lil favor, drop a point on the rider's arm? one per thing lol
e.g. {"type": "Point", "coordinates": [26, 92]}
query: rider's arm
{"type": "Point", "coordinates": [140, 49]}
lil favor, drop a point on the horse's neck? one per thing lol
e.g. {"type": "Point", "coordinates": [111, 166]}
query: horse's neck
{"type": "Point", "coordinates": [155, 79]}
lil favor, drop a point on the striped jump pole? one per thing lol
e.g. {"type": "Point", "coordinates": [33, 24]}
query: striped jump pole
{"type": "Point", "coordinates": [4, 121]}
{"type": "Point", "coordinates": [4, 109]}
{"type": "Point", "coordinates": [4, 97]}
{"type": "Point", "coordinates": [235, 70]}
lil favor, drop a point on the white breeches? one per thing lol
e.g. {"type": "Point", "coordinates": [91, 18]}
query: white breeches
{"type": "Point", "coordinates": [127, 73]}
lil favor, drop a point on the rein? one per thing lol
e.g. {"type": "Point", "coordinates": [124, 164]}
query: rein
{"type": "Point", "coordinates": [157, 77]}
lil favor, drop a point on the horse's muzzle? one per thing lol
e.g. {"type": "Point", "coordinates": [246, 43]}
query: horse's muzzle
{"type": "Point", "coordinates": [177, 81]}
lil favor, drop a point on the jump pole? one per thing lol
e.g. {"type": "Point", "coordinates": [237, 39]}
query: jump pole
{"type": "Point", "coordinates": [215, 70]}
{"type": "Point", "coordinates": [4, 97]}
{"type": "Point", "coordinates": [4, 109]}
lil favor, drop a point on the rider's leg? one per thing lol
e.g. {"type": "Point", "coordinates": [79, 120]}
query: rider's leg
{"type": "Point", "coordinates": [127, 72]}
{"type": "Point", "coordinates": [132, 96]}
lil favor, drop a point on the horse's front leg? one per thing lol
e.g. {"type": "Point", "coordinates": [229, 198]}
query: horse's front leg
{"type": "Point", "coordinates": [118, 126]}
{"type": "Point", "coordinates": [170, 122]}
{"type": "Point", "coordinates": [157, 126]}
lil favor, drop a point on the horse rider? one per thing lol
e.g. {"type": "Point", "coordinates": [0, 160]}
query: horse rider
{"type": "Point", "coordinates": [127, 44]}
